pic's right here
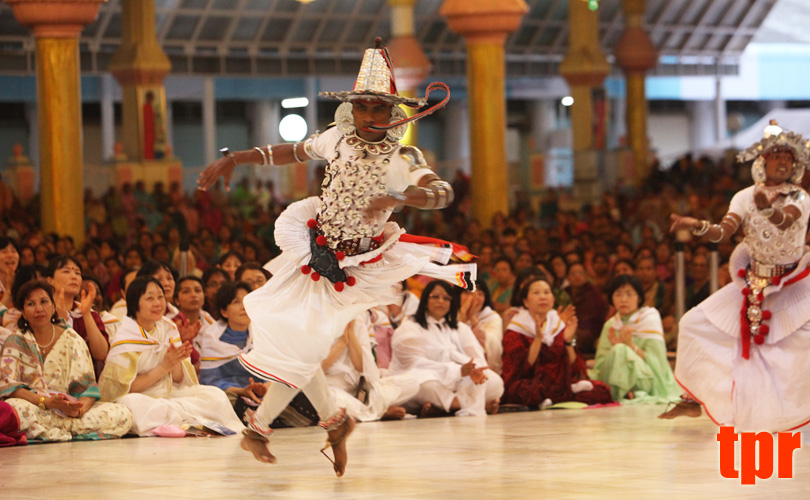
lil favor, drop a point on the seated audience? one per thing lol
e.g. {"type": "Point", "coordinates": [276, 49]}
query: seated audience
{"type": "Point", "coordinates": [220, 345]}
{"type": "Point", "coordinates": [10, 433]}
{"type": "Point", "coordinates": [445, 357]}
{"type": "Point", "coordinates": [189, 297]}
{"type": "Point", "coordinates": [23, 276]}
{"type": "Point", "coordinates": [9, 260]}
{"type": "Point", "coordinates": [212, 279]}
{"type": "Point", "coordinates": [540, 364]}
{"type": "Point", "coordinates": [149, 371]}
{"type": "Point", "coordinates": [230, 262]}
{"type": "Point", "coordinates": [503, 280]}
{"type": "Point", "coordinates": [355, 381]}
{"type": "Point", "coordinates": [253, 274]}
{"type": "Point", "coordinates": [476, 311]}
{"type": "Point", "coordinates": [188, 330]}
{"type": "Point", "coordinates": [64, 273]}
{"type": "Point", "coordinates": [591, 307]}
{"type": "Point", "coordinates": [382, 330]}
{"type": "Point", "coordinates": [47, 376]}
{"type": "Point", "coordinates": [631, 356]}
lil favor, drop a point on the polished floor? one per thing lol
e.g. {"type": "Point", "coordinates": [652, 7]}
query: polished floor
{"type": "Point", "coordinates": [614, 452]}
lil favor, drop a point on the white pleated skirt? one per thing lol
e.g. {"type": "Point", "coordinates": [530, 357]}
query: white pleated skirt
{"type": "Point", "coordinates": [295, 320]}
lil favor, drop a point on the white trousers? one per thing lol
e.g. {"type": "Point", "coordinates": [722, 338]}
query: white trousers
{"type": "Point", "coordinates": [472, 398]}
{"type": "Point", "coordinates": [278, 397]}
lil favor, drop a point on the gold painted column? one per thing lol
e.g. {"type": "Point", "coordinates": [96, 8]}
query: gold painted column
{"type": "Point", "coordinates": [57, 26]}
{"type": "Point", "coordinates": [411, 67]}
{"type": "Point", "coordinates": [484, 25]}
{"type": "Point", "coordinates": [584, 68]}
{"type": "Point", "coordinates": [635, 54]}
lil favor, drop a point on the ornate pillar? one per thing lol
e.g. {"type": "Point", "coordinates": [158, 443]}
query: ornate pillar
{"type": "Point", "coordinates": [140, 66]}
{"type": "Point", "coordinates": [411, 67]}
{"type": "Point", "coordinates": [584, 68]}
{"type": "Point", "coordinates": [635, 54]}
{"type": "Point", "coordinates": [484, 25]}
{"type": "Point", "coordinates": [57, 25]}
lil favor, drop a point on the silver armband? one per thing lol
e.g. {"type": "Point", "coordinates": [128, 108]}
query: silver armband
{"type": "Point", "coordinates": [270, 160]}
{"type": "Point", "coordinates": [733, 221]}
{"type": "Point", "coordinates": [430, 203]}
{"type": "Point", "coordinates": [308, 146]}
{"type": "Point", "coordinates": [443, 192]}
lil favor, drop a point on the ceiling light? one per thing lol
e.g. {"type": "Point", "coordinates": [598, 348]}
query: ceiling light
{"type": "Point", "coordinates": [295, 102]}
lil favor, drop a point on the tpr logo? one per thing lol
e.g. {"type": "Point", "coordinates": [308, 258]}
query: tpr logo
{"type": "Point", "coordinates": [756, 454]}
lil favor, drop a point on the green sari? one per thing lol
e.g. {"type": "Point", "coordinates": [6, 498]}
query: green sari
{"type": "Point", "coordinates": [650, 378]}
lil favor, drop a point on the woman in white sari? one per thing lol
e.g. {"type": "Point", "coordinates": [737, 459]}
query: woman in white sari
{"type": "Point", "coordinates": [148, 370]}
{"type": "Point", "coordinates": [445, 357]}
{"type": "Point", "coordinates": [46, 374]}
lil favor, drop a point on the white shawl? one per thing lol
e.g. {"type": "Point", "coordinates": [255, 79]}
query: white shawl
{"type": "Point", "coordinates": [524, 324]}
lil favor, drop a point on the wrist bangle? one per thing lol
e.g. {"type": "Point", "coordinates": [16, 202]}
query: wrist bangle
{"type": "Point", "coordinates": [766, 212]}
{"type": "Point", "coordinates": [720, 237]}
{"type": "Point", "coordinates": [264, 155]}
{"type": "Point", "coordinates": [42, 403]}
{"type": "Point", "coordinates": [573, 342]}
{"type": "Point", "coordinates": [780, 220]}
{"type": "Point", "coordinates": [703, 229]}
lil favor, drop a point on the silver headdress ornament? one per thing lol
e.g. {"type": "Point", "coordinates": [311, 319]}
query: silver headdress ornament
{"type": "Point", "coordinates": [776, 139]}
{"type": "Point", "coordinates": [375, 82]}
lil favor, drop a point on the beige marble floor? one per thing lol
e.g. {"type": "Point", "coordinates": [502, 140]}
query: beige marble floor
{"type": "Point", "coordinates": [619, 452]}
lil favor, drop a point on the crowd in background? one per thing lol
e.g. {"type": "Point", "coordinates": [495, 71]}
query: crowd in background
{"type": "Point", "coordinates": [192, 244]}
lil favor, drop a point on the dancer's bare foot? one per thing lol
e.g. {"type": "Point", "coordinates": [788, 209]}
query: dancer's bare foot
{"type": "Point", "coordinates": [683, 409]}
{"type": "Point", "coordinates": [337, 440]}
{"type": "Point", "coordinates": [258, 447]}
{"type": "Point", "coordinates": [430, 411]}
{"type": "Point", "coordinates": [492, 406]}
{"type": "Point", "coordinates": [394, 413]}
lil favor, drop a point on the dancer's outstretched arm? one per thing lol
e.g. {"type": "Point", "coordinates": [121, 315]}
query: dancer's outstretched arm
{"type": "Point", "coordinates": [282, 154]}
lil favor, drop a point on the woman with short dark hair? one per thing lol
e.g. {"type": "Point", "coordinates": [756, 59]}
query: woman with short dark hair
{"type": "Point", "coordinates": [148, 370]}
{"type": "Point", "coordinates": [253, 274]}
{"type": "Point", "coordinates": [631, 355]}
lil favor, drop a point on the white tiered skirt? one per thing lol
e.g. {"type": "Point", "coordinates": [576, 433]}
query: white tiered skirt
{"type": "Point", "coordinates": [295, 320]}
